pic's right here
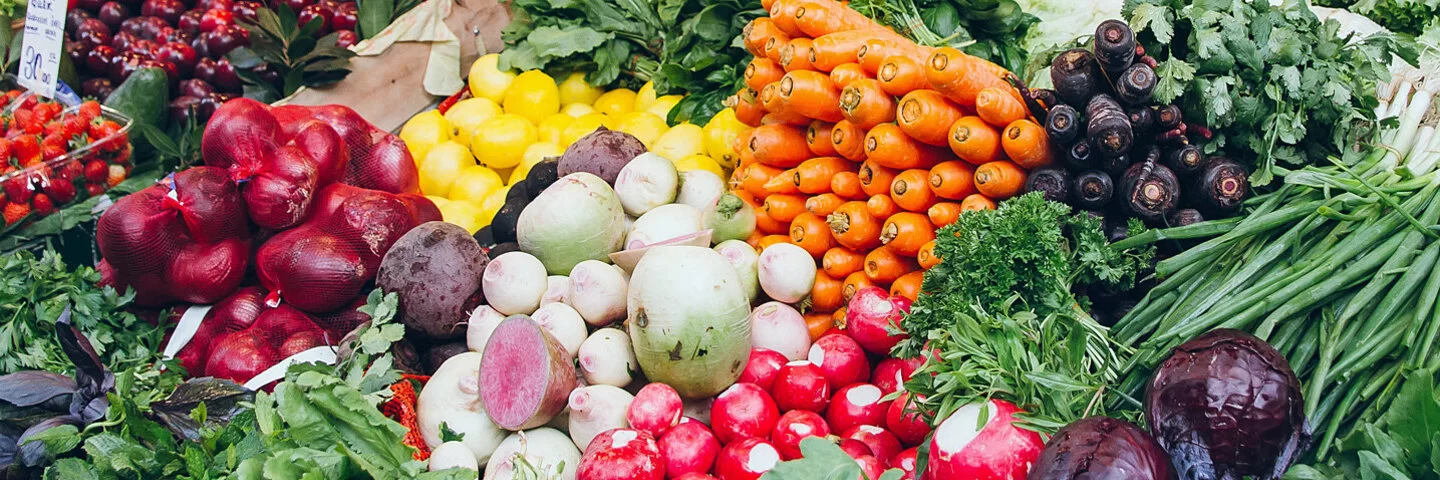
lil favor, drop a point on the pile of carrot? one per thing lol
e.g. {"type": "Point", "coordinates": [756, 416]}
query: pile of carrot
{"type": "Point", "coordinates": [864, 143]}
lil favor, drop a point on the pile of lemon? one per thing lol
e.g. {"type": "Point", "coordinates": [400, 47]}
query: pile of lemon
{"type": "Point", "coordinates": [471, 155]}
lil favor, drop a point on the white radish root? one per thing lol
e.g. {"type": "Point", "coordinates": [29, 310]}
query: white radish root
{"type": "Point", "coordinates": [514, 283]}
{"type": "Point", "coordinates": [595, 409]}
{"type": "Point", "coordinates": [597, 292]}
{"type": "Point", "coordinates": [606, 358]}
{"type": "Point", "coordinates": [564, 323]}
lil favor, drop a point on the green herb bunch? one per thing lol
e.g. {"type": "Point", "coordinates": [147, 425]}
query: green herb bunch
{"type": "Point", "coordinates": [988, 29]}
{"type": "Point", "coordinates": [1404, 443]}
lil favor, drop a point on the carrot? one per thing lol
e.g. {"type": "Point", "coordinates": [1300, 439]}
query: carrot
{"type": "Point", "coordinates": [840, 261]}
{"type": "Point", "coordinates": [998, 107]}
{"type": "Point", "coordinates": [911, 190]}
{"type": "Point", "coordinates": [838, 318]}
{"type": "Point", "coordinates": [796, 54]}
{"type": "Point", "coordinates": [847, 186]}
{"type": "Point", "coordinates": [811, 94]}
{"type": "Point", "coordinates": [765, 4]}
{"type": "Point", "coordinates": [770, 98]}
{"type": "Point", "coordinates": [810, 232]}
{"type": "Point", "coordinates": [769, 226]}
{"type": "Point", "coordinates": [775, 46]}
{"type": "Point", "coordinates": [875, 179]}
{"type": "Point", "coordinates": [768, 240]}
{"type": "Point", "coordinates": [952, 180]}
{"type": "Point", "coordinates": [849, 140]}
{"type": "Point", "coordinates": [884, 265]}
{"type": "Point", "coordinates": [761, 72]}
{"type": "Point", "coordinates": [823, 204]}
{"type": "Point", "coordinates": [854, 282]}
{"type": "Point", "coordinates": [833, 49]}
{"type": "Point", "coordinates": [976, 202]}
{"type": "Point", "coordinates": [927, 257]}
{"type": "Point", "coordinates": [943, 214]}
{"type": "Point", "coordinates": [881, 206]}
{"type": "Point", "coordinates": [908, 285]}
{"type": "Point", "coordinates": [847, 73]}
{"type": "Point", "coordinates": [975, 141]}
{"type": "Point", "coordinates": [780, 146]}
{"type": "Point", "coordinates": [820, 322]}
{"type": "Point", "coordinates": [820, 17]}
{"type": "Point", "coordinates": [1026, 143]}
{"type": "Point", "coordinates": [926, 115]}
{"type": "Point", "coordinates": [961, 77]}
{"type": "Point", "coordinates": [783, 183]}
{"type": "Point", "coordinates": [900, 75]}
{"type": "Point", "coordinates": [784, 208]}
{"type": "Point", "coordinates": [817, 138]}
{"type": "Point", "coordinates": [888, 146]}
{"type": "Point", "coordinates": [906, 232]}
{"type": "Point", "coordinates": [854, 227]}
{"type": "Point", "coordinates": [828, 293]}
{"type": "Point", "coordinates": [785, 118]}
{"type": "Point", "coordinates": [813, 175]}
{"type": "Point", "coordinates": [757, 32]}
{"type": "Point", "coordinates": [876, 50]}
{"type": "Point", "coordinates": [1000, 179]}
{"type": "Point", "coordinates": [747, 107]}
{"type": "Point", "coordinates": [866, 105]}
{"type": "Point", "coordinates": [756, 176]}
{"type": "Point", "coordinates": [783, 12]}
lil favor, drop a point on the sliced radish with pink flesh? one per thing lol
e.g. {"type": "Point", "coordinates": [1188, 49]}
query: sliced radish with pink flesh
{"type": "Point", "coordinates": [525, 375]}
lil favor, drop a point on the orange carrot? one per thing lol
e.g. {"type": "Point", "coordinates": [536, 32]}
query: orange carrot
{"type": "Point", "coordinates": [881, 206]}
{"type": "Point", "coordinates": [761, 72]}
{"type": "Point", "coordinates": [906, 232]}
{"type": "Point", "coordinates": [908, 285]}
{"type": "Point", "coordinates": [775, 46]}
{"type": "Point", "coordinates": [783, 183]}
{"type": "Point", "coordinates": [756, 176]}
{"type": "Point", "coordinates": [784, 208]}
{"type": "Point", "coordinates": [849, 140]}
{"type": "Point", "coordinates": [813, 175]}
{"type": "Point", "coordinates": [820, 322]}
{"type": "Point", "coordinates": [884, 265]}
{"type": "Point", "coordinates": [839, 262]}
{"type": "Point", "coordinates": [976, 202]}
{"type": "Point", "coordinates": [875, 179]}
{"type": "Point", "coordinates": [876, 50]}
{"type": "Point", "coordinates": [900, 75]}
{"type": "Point", "coordinates": [999, 107]}
{"type": "Point", "coordinates": [770, 98]}
{"type": "Point", "coordinates": [796, 55]}
{"type": "Point", "coordinates": [828, 293]}
{"type": "Point", "coordinates": [854, 227]}
{"type": "Point", "coordinates": [999, 180]}
{"type": "Point", "coordinates": [866, 105]}
{"type": "Point", "coordinates": [926, 115]}
{"type": "Point", "coordinates": [943, 213]}
{"type": "Point", "coordinates": [975, 141]}
{"type": "Point", "coordinates": [765, 4]}
{"type": "Point", "coordinates": [911, 190]}
{"type": "Point", "coordinates": [961, 77]}
{"type": "Point", "coordinates": [811, 233]}
{"type": "Point", "coordinates": [820, 17]}
{"type": "Point", "coordinates": [1026, 143]}
{"type": "Point", "coordinates": [817, 138]}
{"type": "Point", "coordinates": [768, 240]}
{"type": "Point", "coordinates": [780, 146]}
{"type": "Point", "coordinates": [953, 180]}
{"type": "Point", "coordinates": [811, 94]}
{"type": "Point", "coordinates": [758, 32]}
{"type": "Point", "coordinates": [785, 118]}
{"type": "Point", "coordinates": [754, 239]}
{"type": "Point", "coordinates": [847, 186]}
{"type": "Point", "coordinates": [770, 226]}
{"type": "Point", "coordinates": [888, 146]}
{"type": "Point", "coordinates": [823, 204]}
{"type": "Point", "coordinates": [833, 49]}
{"type": "Point", "coordinates": [747, 107]}
{"type": "Point", "coordinates": [847, 73]}
{"type": "Point", "coordinates": [737, 178]}
{"type": "Point", "coordinates": [854, 282]}
{"type": "Point", "coordinates": [783, 13]}
{"type": "Point", "coordinates": [927, 257]}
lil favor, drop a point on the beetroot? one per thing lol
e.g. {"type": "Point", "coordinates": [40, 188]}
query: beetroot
{"type": "Point", "coordinates": [602, 152]}
{"type": "Point", "coordinates": [840, 359]}
{"type": "Point", "coordinates": [869, 316]}
{"type": "Point", "coordinates": [801, 386]}
{"type": "Point", "coordinates": [794, 426]}
{"type": "Point", "coordinates": [746, 459]}
{"type": "Point", "coordinates": [525, 376]}
{"type": "Point", "coordinates": [856, 404]}
{"type": "Point", "coordinates": [743, 411]}
{"type": "Point", "coordinates": [688, 448]}
{"type": "Point", "coordinates": [655, 409]}
{"type": "Point", "coordinates": [763, 366]}
{"type": "Point", "coordinates": [622, 454]}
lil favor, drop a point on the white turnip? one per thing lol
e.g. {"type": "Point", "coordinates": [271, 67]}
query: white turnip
{"type": "Point", "coordinates": [664, 223]}
{"type": "Point", "coordinates": [655, 409]}
{"type": "Point", "coordinates": [856, 404]}
{"type": "Point", "coordinates": [870, 316]}
{"type": "Point", "coordinates": [743, 411]}
{"type": "Point", "coordinates": [622, 454]}
{"type": "Point", "coordinates": [514, 283]}
{"type": "Point", "coordinates": [762, 368]}
{"type": "Point", "coordinates": [546, 453]}
{"type": "Point", "coordinates": [453, 454]}
{"type": "Point", "coordinates": [556, 289]}
{"type": "Point", "coordinates": [595, 409]}
{"type": "Point", "coordinates": [779, 327]}
{"type": "Point", "coordinates": [687, 320]}
{"type": "Point", "coordinates": [787, 272]}
{"type": "Point", "coordinates": [526, 375]}
{"type": "Point", "coordinates": [699, 188]}
{"type": "Point", "coordinates": [577, 218]}
{"type": "Point", "coordinates": [648, 181]}
{"type": "Point", "coordinates": [746, 459]}
{"type": "Point", "coordinates": [906, 423]}
{"type": "Point", "coordinates": [746, 262]}
{"type": "Point", "coordinates": [964, 446]}
{"type": "Point", "coordinates": [564, 323]}
{"type": "Point", "coordinates": [730, 218]}
{"type": "Point", "coordinates": [482, 322]}
{"type": "Point", "coordinates": [883, 444]}
{"type": "Point", "coordinates": [801, 385]}
{"type": "Point", "coordinates": [841, 359]}
{"type": "Point", "coordinates": [452, 397]}
{"type": "Point", "coordinates": [794, 426]}
{"type": "Point", "coordinates": [606, 358]}
{"type": "Point", "coordinates": [627, 259]}
{"type": "Point", "coordinates": [597, 292]}
{"type": "Point", "coordinates": [688, 448]}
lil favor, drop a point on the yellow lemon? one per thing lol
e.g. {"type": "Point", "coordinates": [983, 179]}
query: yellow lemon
{"type": "Point", "coordinates": [469, 113]}
{"type": "Point", "coordinates": [441, 166]}
{"type": "Point", "coordinates": [680, 141]}
{"type": "Point", "coordinates": [643, 125]}
{"type": "Point", "coordinates": [615, 102]}
{"type": "Point", "coordinates": [423, 131]}
{"type": "Point", "coordinates": [501, 141]}
{"type": "Point", "coordinates": [699, 162]}
{"type": "Point", "coordinates": [720, 134]}
{"type": "Point", "coordinates": [492, 204]}
{"type": "Point", "coordinates": [465, 214]}
{"type": "Point", "coordinates": [438, 201]}
{"type": "Point", "coordinates": [575, 90]}
{"type": "Point", "coordinates": [487, 80]}
{"type": "Point", "coordinates": [533, 96]}
{"type": "Point", "coordinates": [537, 153]}
{"type": "Point", "coordinates": [474, 183]}
{"type": "Point", "coordinates": [584, 125]}
{"type": "Point", "coordinates": [552, 128]}
{"type": "Point", "coordinates": [662, 106]}
{"type": "Point", "coordinates": [577, 110]}
{"type": "Point", "coordinates": [645, 96]}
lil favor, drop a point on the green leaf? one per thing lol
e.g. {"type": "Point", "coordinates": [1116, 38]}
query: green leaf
{"type": "Point", "coordinates": [821, 459]}
{"type": "Point", "coordinates": [551, 42]}
{"type": "Point", "coordinates": [1174, 75]}
{"type": "Point", "coordinates": [375, 15]}
{"type": "Point", "coordinates": [71, 469]}
{"type": "Point", "coordinates": [1414, 416]}
{"type": "Point", "coordinates": [448, 435]}
{"type": "Point", "coordinates": [1155, 18]}
{"type": "Point", "coordinates": [58, 439]}
{"type": "Point", "coordinates": [1372, 467]}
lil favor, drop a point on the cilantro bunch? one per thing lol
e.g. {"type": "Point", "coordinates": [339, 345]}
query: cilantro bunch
{"type": "Point", "coordinates": [1278, 88]}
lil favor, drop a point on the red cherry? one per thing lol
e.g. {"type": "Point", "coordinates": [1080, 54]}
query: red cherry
{"type": "Point", "coordinates": [216, 18]}
{"type": "Point", "coordinates": [346, 38]}
{"type": "Point", "coordinates": [314, 12]}
{"type": "Point", "coordinates": [98, 60]}
{"type": "Point", "coordinates": [346, 16]}
{"type": "Point", "coordinates": [179, 54]}
{"type": "Point", "coordinates": [112, 13]}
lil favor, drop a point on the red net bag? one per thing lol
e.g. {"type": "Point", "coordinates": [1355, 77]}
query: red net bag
{"type": "Point", "coordinates": [276, 179]}
{"type": "Point", "coordinates": [401, 408]}
{"type": "Point", "coordinates": [276, 334]}
{"type": "Point", "coordinates": [184, 239]}
{"type": "Point", "coordinates": [235, 313]}
{"type": "Point", "coordinates": [378, 159]}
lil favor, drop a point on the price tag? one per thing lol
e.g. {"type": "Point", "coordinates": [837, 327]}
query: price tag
{"type": "Point", "coordinates": [41, 50]}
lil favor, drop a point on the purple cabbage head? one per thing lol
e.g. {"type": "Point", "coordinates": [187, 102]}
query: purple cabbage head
{"type": "Point", "coordinates": [1101, 448]}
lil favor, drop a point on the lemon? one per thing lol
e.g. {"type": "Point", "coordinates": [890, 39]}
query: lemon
{"type": "Point", "coordinates": [441, 167]}
{"type": "Point", "coordinates": [536, 153]}
{"type": "Point", "coordinates": [465, 214]}
{"type": "Point", "coordinates": [720, 134]}
{"type": "Point", "coordinates": [615, 102]}
{"type": "Point", "coordinates": [645, 96]}
{"type": "Point", "coordinates": [680, 141]}
{"type": "Point", "coordinates": [662, 106]}
{"type": "Point", "coordinates": [533, 96]}
{"type": "Point", "coordinates": [499, 142]}
{"type": "Point", "coordinates": [700, 162]}
{"type": "Point", "coordinates": [474, 183]}
{"type": "Point", "coordinates": [575, 90]}
{"type": "Point", "coordinates": [584, 125]}
{"type": "Point", "coordinates": [469, 113]}
{"type": "Point", "coordinates": [492, 204]}
{"type": "Point", "coordinates": [552, 128]}
{"type": "Point", "coordinates": [423, 131]}
{"type": "Point", "coordinates": [643, 125]}
{"type": "Point", "coordinates": [438, 201]}
{"type": "Point", "coordinates": [576, 110]}
{"type": "Point", "coordinates": [486, 79]}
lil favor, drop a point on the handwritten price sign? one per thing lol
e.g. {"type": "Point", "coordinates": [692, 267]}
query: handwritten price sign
{"type": "Point", "coordinates": [44, 39]}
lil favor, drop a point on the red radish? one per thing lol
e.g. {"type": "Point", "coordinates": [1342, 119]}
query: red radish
{"type": "Point", "coordinates": [655, 409]}
{"type": "Point", "coordinates": [909, 426]}
{"type": "Point", "coordinates": [794, 426]}
{"type": "Point", "coordinates": [870, 316]}
{"type": "Point", "coordinates": [997, 450]}
{"type": "Point", "coordinates": [855, 448]}
{"type": "Point", "coordinates": [841, 360]}
{"type": "Point", "coordinates": [882, 443]}
{"type": "Point", "coordinates": [695, 476]}
{"type": "Point", "coordinates": [762, 368]}
{"type": "Point", "coordinates": [743, 411]}
{"type": "Point", "coordinates": [525, 375]}
{"type": "Point", "coordinates": [801, 386]}
{"type": "Point", "coordinates": [890, 375]}
{"type": "Point", "coordinates": [688, 448]}
{"type": "Point", "coordinates": [871, 467]}
{"type": "Point", "coordinates": [781, 328]}
{"type": "Point", "coordinates": [746, 459]}
{"type": "Point", "coordinates": [856, 404]}
{"type": "Point", "coordinates": [622, 453]}
{"type": "Point", "coordinates": [905, 461]}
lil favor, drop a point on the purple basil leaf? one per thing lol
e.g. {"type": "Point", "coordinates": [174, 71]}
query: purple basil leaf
{"type": "Point", "coordinates": [91, 376]}
{"type": "Point", "coordinates": [31, 387]}
{"type": "Point", "coordinates": [222, 400]}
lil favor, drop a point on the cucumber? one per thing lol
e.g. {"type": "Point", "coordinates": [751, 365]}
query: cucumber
{"type": "Point", "coordinates": [143, 97]}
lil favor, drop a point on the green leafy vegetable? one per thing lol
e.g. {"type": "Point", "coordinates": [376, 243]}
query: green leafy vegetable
{"type": "Point", "coordinates": [821, 458]}
{"type": "Point", "coordinates": [298, 58]}
{"type": "Point", "coordinates": [1403, 444]}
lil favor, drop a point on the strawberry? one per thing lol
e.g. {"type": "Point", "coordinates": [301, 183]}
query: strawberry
{"type": "Point", "coordinates": [14, 212]}
{"type": "Point", "coordinates": [94, 188]}
{"type": "Point", "coordinates": [75, 125]}
{"type": "Point", "coordinates": [53, 147]}
{"type": "Point", "coordinates": [96, 171]}
{"type": "Point", "coordinates": [17, 189]}
{"type": "Point", "coordinates": [5, 151]}
{"type": "Point", "coordinates": [25, 147]}
{"type": "Point", "coordinates": [42, 204]}
{"type": "Point", "coordinates": [90, 110]}
{"type": "Point", "coordinates": [71, 170]}
{"type": "Point", "coordinates": [117, 175]}
{"type": "Point", "coordinates": [61, 191]}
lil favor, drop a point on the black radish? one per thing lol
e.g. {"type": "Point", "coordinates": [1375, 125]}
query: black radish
{"type": "Point", "coordinates": [1075, 76]}
{"type": "Point", "coordinates": [1063, 124]}
{"type": "Point", "coordinates": [1107, 126]}
{"type": "Point", "coordinates": [1054, 183]}
{"type": "Point", "coordinates": [1093, 189]}
{"type": "Point", "coordinates": [1222, 186]}
{"type": "Point", "coordinates": [1149, 190]}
